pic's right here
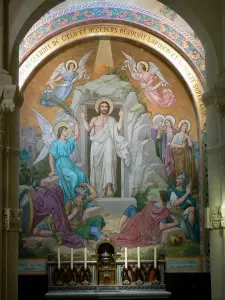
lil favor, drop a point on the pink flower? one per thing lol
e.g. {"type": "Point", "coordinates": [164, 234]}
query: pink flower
{"type": "Point", "coordinates": [88, 14]}
{"type": "Point", "coordinates": [162, 27]}
{"type": "Point", "coordinates": [174, 36]}
{"type": "Point", "coordinates": [76, 14]}
{"type": "Point", "coordinates": [135, 15]}
{"type": "Point", "coordinates": [62, 22]}
{"type": "Point", "coordinates": [202, 65]}
{"type": "Point", "coordinates": [149, 22]}
{"type": "Point", "coordinates": [122, 14]}
{"type": "Point", "coordinates": [107, 12]}
{"type": "Point", "coordinates": [194, 54]}
{"type": "Point", "coordinates": [48, 26]}
{"type": "Point", "coordinates": [184, 43]}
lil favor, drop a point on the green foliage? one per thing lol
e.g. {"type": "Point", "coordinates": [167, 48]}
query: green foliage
{"type": "Point", "coordinates": [32, 175]}
{"type": "Point", "coordinates": [142, 198]}
{"type": "Point", "coordinates": [122, 74]}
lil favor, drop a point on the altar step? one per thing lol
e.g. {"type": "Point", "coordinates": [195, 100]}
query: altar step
{"type": "Point", "coordinates": [115, 206]}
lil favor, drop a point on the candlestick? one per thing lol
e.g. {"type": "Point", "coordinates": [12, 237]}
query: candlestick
{"type": "Point", "coordinates": [138, 257]}
{"type": "Point", "coordinates": [58, 258]}
{"type": "Point", "coordinates": [85, 258]}
{"type": "Point", "coordinates": [71, 260]}
{"type": "Point", "coordinates": [155, 258]}
{"type": "Point", "coordinates": [125, 257]}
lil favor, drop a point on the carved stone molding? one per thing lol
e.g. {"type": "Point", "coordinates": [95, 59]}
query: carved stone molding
{"type": "Point", "coordinates": [12, 219]}
{"type": "Point", "coordinates": [215, 218]}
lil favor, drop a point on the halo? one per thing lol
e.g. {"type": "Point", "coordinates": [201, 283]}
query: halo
{"type": "Point", "coordinates": [60, 124]}
{"type": "Point", "coordinates": [143, 63]}
{"type": "Point", "coordinates": [155, 120]}
{"type": "Point", "coordinates": [71, 61]}
{"type": "Point", "coordinates": [171, 119]}
{"type": "Point", "coordinates": [186, 121]}
{"type": "Point", "coordinates": [109, 101]}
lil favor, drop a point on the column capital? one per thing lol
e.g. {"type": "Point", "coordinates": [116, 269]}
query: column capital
{"type": "Point", "coordinates": [216, 97]}
{"type": "Point", "coordinates": [7, 98]}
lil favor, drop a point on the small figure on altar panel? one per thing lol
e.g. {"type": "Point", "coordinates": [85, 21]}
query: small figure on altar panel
{"type": "Point", "coordinates": [68, 73]}
{"type": "Point", "coordinates": [144, 228]}
{"type": "Point", "coordinates": [107, 143]}
{"type": "Point", "coordinates": [180, 196]}
{"type": "Point", "coordinates": [152, 82]}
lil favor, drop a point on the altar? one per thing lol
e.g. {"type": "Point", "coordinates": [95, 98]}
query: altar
{"type": "Point", "coordinates": [107, 276]}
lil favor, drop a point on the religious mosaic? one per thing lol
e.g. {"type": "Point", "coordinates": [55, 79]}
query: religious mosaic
{"type": "Point", "coordinates": [109, 151]}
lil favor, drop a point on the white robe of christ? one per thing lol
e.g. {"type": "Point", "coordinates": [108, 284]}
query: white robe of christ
{"type": "Point", "coordinates": [106, 145]}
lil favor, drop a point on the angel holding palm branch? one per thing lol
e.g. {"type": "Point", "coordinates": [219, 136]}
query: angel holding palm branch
{"type": "Point", "coordinates": [67, 74]}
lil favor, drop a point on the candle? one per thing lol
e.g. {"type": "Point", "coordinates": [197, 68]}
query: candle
{"type": "Point", "coordinates": [58, 259]}
{"type": "Point", "coordinates": [155, 258]}
{"type": "Point", "coordinates": [138, 257]}
{"type": "Point", "coordinates": [85, 258]}
{"type": "Point", "coordinates": [71, 259]}
{"type": "Point", "coordinates": [125, 257]}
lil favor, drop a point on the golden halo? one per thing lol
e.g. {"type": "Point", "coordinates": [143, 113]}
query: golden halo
{"type": "Point", "coordinates": [171, 119]}
{"type": "Point", "coordinates": [105, 99]}
{"type": "Point", "coordinates": [71, 61]}
{"type": "Point", "coordinates": [60, 124]}
{"type": "Point", "coordinates": [185, 121]}
{"type": "Point", "coordinates": [143, 63]}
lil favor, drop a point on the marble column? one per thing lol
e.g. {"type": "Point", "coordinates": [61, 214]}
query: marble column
{"type": "Point", "coordinates": [215, 106]}
{"type": "Point", "coordinates": [9, 204]}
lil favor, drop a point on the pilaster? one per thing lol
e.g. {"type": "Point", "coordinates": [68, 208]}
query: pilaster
{"type": "Point", "coordinates": [10, 216]}
{"type": "Point", "coordinates": [214, 101]}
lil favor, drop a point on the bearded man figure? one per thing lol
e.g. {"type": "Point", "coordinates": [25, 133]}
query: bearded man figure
{"type": "Point", "coordinates": [107, 143]}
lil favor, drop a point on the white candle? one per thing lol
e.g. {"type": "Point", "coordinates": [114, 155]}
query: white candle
{"type": "Point", "coordinates": [138, 257]}
{"type": "Point", "coordinates": [155, 258]}
{"type": "Point", "coordinates": [85, 258]}
{"type": "Point", "coordinates": [58, 259]}
{"type": "Point", "coordinates": [125, 257]}
{"type": "Point", "coordinates": [71, 259]}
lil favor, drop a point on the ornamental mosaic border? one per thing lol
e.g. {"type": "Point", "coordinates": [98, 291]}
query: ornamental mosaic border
{"type": "Point", "coordinates": [113, 11]}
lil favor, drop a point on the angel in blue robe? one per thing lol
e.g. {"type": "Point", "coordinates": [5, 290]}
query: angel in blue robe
{"type": "Point", "coordinates": [68, 73]}
{"type": "Point", "coordinates": [59, 144]}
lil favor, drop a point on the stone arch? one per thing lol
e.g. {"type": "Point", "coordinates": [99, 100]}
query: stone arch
{"type": "Point", "coordinates": [185, 11]}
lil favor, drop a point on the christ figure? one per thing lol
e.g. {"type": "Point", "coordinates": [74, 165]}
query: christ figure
{"type": "Point", "coordinates": [107, 144]}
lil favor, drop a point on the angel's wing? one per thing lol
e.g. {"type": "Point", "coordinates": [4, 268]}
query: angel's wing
{"type": "Point", "coordinates": [82, 63]}
{"type": "Point", "coordinates": [155, 70]}
{"type": "Point", "coordinates": [48, 135]}
{"type": "Point", "coordinates": [59, 70]}
{"type": "Point", "coordinates": [133, 65]}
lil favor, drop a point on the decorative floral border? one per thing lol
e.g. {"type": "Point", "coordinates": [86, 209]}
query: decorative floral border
{"type": "Point", "coordinates": [112, 11]}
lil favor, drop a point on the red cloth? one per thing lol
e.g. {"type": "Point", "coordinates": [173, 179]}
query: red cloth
{"type": "Point", "coordinates": [142, 229]}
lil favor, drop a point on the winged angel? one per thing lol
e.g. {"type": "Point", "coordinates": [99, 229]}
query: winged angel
{"type": "Point", "coordinates": [152, 82]}
{"type": "Point", "coordinates": [59, 144]}
{"type": "Point", "coordinates": [68, 73]}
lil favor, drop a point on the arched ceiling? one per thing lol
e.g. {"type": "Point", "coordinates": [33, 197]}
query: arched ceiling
{"type": "Point", "coordinates": [150, 14]}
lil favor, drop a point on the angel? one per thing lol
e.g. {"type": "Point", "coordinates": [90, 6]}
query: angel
{"type": "Point", "coordinates": [59, 144]}
{"type": "Point", "coordinates": [68, 73]}
{"type": "Point", "coordinates": [152, 82]}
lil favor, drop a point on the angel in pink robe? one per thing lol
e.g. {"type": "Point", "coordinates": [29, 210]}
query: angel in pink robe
{"type": "Point", "coordinates": [152, 82]}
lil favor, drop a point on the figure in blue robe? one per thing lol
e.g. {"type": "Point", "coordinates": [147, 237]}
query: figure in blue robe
{"type": "Point", "coordinates": [69, 174]}
{"type": "Point", "coordinates": [51, 98]}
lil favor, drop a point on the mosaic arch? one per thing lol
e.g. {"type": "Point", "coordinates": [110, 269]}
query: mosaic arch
{"type": "Point", "coordinates": [105, 61]}
{"type": "Point", "coordinates": [61, 19]}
